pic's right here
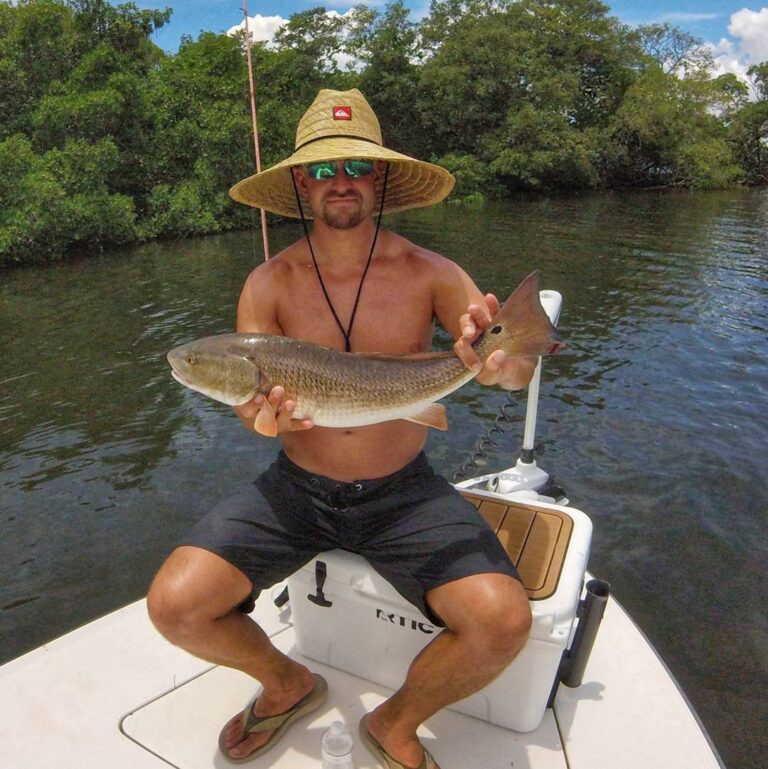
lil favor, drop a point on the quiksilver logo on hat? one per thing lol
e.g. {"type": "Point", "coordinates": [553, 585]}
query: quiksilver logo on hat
{"type": "Point", "coordinates": [342, 113]}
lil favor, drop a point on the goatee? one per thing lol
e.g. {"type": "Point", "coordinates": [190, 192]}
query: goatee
{"type": "Point", "coordinates": [344, 217]}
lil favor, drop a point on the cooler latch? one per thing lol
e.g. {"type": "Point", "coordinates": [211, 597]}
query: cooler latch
{"type": "Point", "coordinates": [319, 599]}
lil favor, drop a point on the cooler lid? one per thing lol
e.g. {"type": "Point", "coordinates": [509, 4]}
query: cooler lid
{"type": "Point", "coordinates": [536, 539]}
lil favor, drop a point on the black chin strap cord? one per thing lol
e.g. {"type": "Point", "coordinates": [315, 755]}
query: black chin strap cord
{"type": "Point", "coordinates": [347, 333]}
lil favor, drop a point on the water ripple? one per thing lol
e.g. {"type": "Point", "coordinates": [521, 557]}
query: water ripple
{"type": "Point", "coordinates": [654, 419]}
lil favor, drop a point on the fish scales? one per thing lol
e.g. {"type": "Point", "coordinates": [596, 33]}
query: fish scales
{"type": "Point", "coordinates": [339, 389]}
{"type": "Point", "coordinates": [331, 386]}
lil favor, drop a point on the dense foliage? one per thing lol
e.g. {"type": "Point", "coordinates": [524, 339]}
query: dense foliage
{"type": "Point", "coordinates": [104, 138]}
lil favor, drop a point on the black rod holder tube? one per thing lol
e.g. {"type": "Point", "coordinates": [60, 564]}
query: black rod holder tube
{"type": "Point", "coordinates": [590, 614]}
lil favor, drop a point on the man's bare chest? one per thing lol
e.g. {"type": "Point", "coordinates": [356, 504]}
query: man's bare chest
{"type": "Point", "coordinates": [391, 316]}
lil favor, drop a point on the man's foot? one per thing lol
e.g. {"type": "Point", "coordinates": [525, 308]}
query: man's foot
{"type": "Point", "coordinates": [406, 753]}
{"type": "Point", "coordinates": [263, 722]}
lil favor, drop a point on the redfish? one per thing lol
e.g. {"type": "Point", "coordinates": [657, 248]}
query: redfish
{"type": "Point", "coordinates": [340, 389]}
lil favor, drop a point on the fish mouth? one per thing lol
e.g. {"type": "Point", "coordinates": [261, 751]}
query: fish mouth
{"type": "Point", "coordinates": [174, 360]}
{"type": "Point", "coordinates": [222, 397]}
{"type": "Point", "coordinates": [179, 378]}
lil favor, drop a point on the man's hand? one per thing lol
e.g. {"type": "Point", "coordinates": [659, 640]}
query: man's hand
{"type": "Point", "coordinates": [272, 414]}
{"type": "Point", "coordinates": [511, 373]}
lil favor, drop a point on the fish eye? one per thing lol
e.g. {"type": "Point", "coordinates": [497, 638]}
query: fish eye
{"type": "Point", "coordinates": [495, 329]}
{"type": "Point", "coordinates": [190, 359]}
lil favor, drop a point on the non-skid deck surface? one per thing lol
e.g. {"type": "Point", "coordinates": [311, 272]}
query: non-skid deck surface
{"type": "Point", "coordinates": [182, 727]}
{"type": "Point", "coordinates": [535, 537]}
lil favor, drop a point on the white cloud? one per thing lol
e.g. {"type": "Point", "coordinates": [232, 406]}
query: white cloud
{"type": "Point", "coordinates": [751, 27]}
{"type": "Point", "coordinates": [261, 27]}
{"type": "Point", "coordinates": [674, 16]}
{"type": "Point", "coordinates": [728, 59]}
{"type": "Point", "coordinates": [747, 45]}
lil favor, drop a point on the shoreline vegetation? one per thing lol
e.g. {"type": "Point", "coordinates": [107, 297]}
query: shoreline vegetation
{"type": "Point", "coordinates": [105, 139]}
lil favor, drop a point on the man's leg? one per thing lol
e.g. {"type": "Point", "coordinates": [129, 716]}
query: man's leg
{"type": "Point", "coordinates": [487, 620]}
{"type": "Point", "coordinates": [194, 603]}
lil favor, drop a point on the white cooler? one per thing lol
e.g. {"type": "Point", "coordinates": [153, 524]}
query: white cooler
{"type": "Point", "coordinates": [347, 616]}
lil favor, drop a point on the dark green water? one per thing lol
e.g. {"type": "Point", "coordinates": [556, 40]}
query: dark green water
{"type": "Point", "coordinates": [654, 421]}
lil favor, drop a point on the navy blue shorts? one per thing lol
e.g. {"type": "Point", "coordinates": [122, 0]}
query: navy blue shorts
{"type": "Point", "coordinates": [412, 526]}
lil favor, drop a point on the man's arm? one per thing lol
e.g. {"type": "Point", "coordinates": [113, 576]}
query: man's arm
{"type": "Point", "coordinates": [464, 312]}
{"type": "Point", "coordinates": [257, 314]}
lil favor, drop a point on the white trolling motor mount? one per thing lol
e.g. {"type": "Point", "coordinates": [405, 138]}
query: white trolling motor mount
{"type": "Point", "coordinates": [526, 480]}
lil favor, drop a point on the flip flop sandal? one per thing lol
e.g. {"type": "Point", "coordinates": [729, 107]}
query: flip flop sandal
{"type": "Point", "coordinates": [383, 757]}
{"type": "Point", "coordinates": [252, 724]}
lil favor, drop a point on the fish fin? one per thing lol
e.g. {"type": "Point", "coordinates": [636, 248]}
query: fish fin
{"type": "Point", "coordinates": [530, 330]}
{"type": "Point", "coordinates": [265, 422]}
{"type": "Point", "coordinates": [432, 416]}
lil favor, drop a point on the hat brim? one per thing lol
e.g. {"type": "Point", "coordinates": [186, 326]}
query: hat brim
{"type": "Point", "coordinates": [411, 183]}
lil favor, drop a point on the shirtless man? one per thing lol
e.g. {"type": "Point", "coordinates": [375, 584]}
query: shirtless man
{"type": "Point", "coordinates": [350, 285]}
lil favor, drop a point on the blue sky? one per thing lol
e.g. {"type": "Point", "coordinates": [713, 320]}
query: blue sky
{"type": "Point", "coordinates": [736, 30]}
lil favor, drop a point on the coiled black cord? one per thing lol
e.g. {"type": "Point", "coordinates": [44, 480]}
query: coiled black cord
{"type": "Point", "coordinates": [491, 439]}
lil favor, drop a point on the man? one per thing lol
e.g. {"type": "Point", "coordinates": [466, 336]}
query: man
{"type": "Point", "coordinates": [351, 285]}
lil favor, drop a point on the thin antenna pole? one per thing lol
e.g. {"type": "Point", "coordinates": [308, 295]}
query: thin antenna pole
{"type": "Point", "coordinates": [254, 121]}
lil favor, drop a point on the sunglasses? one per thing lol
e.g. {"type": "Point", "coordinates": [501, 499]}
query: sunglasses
{"type": "Point", "coordinates": [327, 169]}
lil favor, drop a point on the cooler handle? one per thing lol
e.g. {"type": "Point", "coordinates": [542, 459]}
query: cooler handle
{"type": "Point", "coordinates": [321, 573]}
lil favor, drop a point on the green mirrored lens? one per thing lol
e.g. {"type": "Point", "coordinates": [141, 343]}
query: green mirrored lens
{"type": "Point", "coordinates": [321, 171]}
{"type": "Point", "coordinates": [357, 168]}
{"type": "Point", "coordinates": [327, 169]}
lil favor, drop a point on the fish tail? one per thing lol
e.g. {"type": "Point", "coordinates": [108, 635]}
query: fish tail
{"type": "Point", "coordinates": [522, 327]}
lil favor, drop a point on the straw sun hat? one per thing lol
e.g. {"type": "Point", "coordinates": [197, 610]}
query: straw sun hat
{"type": "Point", "coordinates": [341, 125]}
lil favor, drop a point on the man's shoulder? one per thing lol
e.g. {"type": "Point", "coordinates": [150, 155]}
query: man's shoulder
{"type": "Point", "coordinates": [278, 267]}
{"type": "Point", "coordinates": [416, 255]}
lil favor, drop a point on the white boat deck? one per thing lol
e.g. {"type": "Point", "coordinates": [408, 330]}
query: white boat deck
{"type": "Point", "coordinates": [115, 694]}
{"type": "Point", "coordinates": [468, 742]}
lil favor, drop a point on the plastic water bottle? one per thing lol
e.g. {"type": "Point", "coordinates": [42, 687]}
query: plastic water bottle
{"type": "Point", "coordinates": [336, 747]}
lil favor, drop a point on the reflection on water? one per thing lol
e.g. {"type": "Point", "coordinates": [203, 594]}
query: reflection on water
{"type": "Point", "coordinates": [654, 420]}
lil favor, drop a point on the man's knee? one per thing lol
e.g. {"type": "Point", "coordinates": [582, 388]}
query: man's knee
{"type": "Point", "coordinates": [191, 590]}
{"type": "Point", "coordinates": [167, 606]}
{"type": "Point", "coordinates": [511, 623]}
{"type": "Point", "coordinates": [493, 610]}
